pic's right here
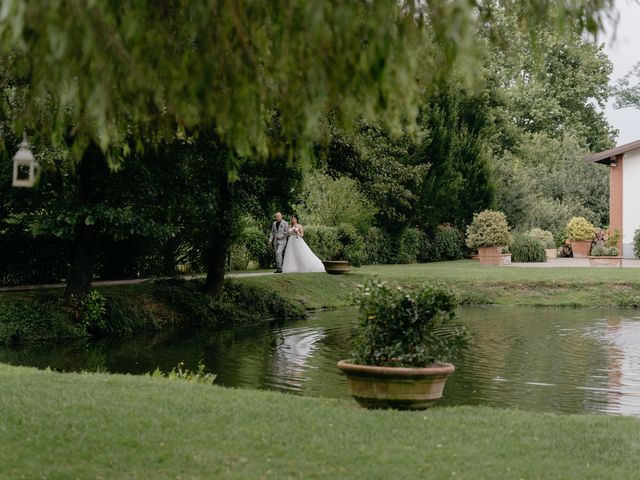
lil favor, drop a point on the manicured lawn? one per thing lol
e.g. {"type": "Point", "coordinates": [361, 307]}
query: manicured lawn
{"type": "Point", "coordinates": [474, 284]}
{"type": "Point", "coordinates": [60, 426]}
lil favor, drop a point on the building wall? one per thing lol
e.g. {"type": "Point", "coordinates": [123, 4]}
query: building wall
{"type": "Point", "coordinates": [616, 197]}
{"type": "Point", "coordinates": [630, 199]}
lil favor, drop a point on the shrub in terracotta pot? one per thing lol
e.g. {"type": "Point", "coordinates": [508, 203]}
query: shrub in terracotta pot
{"type": "Point", "coordinates": [580, 232]}
{"type": "Point", "coordinates": [605, 256]}
{"type": "Point", "coordinates": [545, 237]}
{"type": "Point", "coordinates": [489, 233]}
{"type": "Point", "coordinates": [400, 354]}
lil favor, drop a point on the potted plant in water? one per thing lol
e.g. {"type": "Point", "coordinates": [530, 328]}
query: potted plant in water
{"type": "Point", "coordinates": [489, 233]}
{"type": "Point", "coordinates": [580, 233]}
{"type": "Point", "coordinates": [545, 237]}
{"type": "Point", "coordinates": [399, 357]}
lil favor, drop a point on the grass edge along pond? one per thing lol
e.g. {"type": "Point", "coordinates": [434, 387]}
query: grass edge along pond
{"type": "Point", "coordinates": [39, 316]}
{"type": "Point", "coordinates": [473, 284]}
{"type": "Point", "coordinates": [119, 426]}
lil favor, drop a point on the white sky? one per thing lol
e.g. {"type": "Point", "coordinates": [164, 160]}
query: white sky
{"type": "Point", "coordinates": [624, 52]}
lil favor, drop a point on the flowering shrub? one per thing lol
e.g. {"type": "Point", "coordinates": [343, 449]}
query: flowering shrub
{"type": "Point", "coordinates": [580, 229]}
{"type": "Point", "coordinates": [488, 229]}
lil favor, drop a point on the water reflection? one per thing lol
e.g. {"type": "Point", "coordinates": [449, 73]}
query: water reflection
{"type": "Point", "coordinates": [542, 359]}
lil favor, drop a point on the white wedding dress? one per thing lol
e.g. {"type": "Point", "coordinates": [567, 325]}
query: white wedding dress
{"type": "Point", "coordinates": [299, 258]}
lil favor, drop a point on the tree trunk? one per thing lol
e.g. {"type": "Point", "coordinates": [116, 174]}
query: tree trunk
{"type": "Point", "coordinates": [92, 173]}
{"type": "Point", "coordinates": [220, 240]}
{"type": "Point", "coordinates": [84, 261]}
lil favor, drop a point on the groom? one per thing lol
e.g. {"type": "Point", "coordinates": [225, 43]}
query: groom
{"type": "Point", "coordinates": [278, 239]}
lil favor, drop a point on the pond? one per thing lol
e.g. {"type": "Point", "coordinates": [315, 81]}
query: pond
{"type": "Point", "coordinates": [539, 359]}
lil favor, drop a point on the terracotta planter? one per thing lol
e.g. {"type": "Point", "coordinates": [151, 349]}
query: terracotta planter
{"type": "Point", "coordinates": [475, 257]}
{"type": "Point", "coordinates": [493, 256]}
{"type": "Point", "coordinates": [396, 387]}
{"type": "Point", "coordinates": [605, 261]}
{"type": "Point", "coordinates": [581, 248]}
{"type": "Point", "coordinates": [336, 267]}
{"type": "Point", "coordinates": [552, 253]}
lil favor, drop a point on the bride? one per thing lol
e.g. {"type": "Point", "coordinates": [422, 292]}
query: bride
{"type": "Point", "coordinates": [298, 257]}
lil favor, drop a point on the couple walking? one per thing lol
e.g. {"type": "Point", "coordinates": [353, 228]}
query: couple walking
{"type": "Point", "coordinates": [297, 257]}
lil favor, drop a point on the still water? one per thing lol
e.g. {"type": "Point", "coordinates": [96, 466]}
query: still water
{"type": "Point", "coordinates": [540, 359]}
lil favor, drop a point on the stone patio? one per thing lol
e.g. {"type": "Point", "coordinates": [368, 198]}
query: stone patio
{"type": "Point", "coordinates": [572, 262]}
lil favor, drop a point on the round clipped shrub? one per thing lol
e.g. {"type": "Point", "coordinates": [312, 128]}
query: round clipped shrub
{"type": "Point", "coordinates": [580, 229]}
{"type": "Point", "coordinates": [488, 229]}
{"type": "Point", "coordinates": [545, 237]}
{"type": "Point", "coordinates": [525, 248]}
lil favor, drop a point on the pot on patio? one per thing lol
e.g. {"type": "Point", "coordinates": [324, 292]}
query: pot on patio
{"type": "Point", "coordinates": [493, 256]}
{"type": "Point", "coordinates": [580, 248]}
{"type": "Point", "coordinates": [336, 267]}
{"type": "Point", "coordinates": [605, 261]}
{"type": "Point", "coordinates": [396, 387]}
{"type": "Point", "coordinates": [552, 253]}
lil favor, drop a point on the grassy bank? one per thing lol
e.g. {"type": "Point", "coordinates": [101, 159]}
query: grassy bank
{"type": "Point", "coordinates": [41, 316]}
{"type": "Point", "coordinates": [474, 284]}
{"type": "Point", "coordinates": [112, 426]}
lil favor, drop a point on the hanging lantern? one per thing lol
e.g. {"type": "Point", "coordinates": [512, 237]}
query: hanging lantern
{"type": "Point", "coordinates": [26, 169]}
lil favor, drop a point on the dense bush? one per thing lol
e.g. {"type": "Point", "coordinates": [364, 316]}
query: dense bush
{"type": "Point", "coordinates": [323, 241]}
{"type": "Point", "coordinates": [545, 237]}
{"type": "Point", "coordinates": [448, 243]}
{"type": "Point", "coordinates": [525, 248]}
{"type": "Point", "coordinates": [239, 303]}
{"type": "Point", "coordinates": [40, 320]}
{"type": "Point", "coordinates": [255, 241]}
{"type": "Point", "coordinates": [239, 257]}
{"type": "Point", "coordinates": [580, 229]}
{"type": "Point", "coordinates": [329, 201]}
{"type": "Point", "coordinates": [119, 312]}
{"type": "Point", "coordinates": [378, 247]}
{"type": "Point", "coordinates": [488, 229]}
{"type": "Point", "coordinates": [427, 251]}
{"type": "Point", "coordinates": [410, 244]}
{"type": "Point", "coordinates": [337, 243]}
{"type": "Point", "coordinates": [94, 309]}
{"type": "Point", "coordinates": [410, 329]}
{"type": "Point", "coordinates": [28, 260]}
{"type": "Point", "coordinates": [352, 244]}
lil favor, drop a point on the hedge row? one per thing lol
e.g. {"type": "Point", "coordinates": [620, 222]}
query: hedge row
{"type": "Point", "coordinates": [344, 242]}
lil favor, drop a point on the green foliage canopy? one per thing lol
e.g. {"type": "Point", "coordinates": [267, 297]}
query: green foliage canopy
{"type": "Point", "coordinates": [105, 71]}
